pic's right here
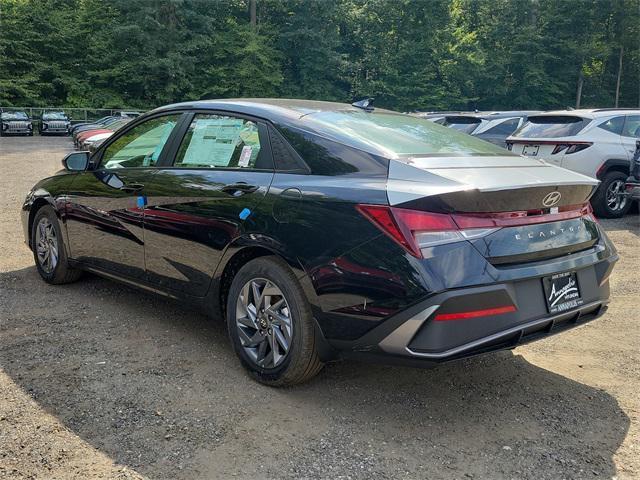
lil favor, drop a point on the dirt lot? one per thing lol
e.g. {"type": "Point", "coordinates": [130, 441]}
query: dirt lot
{"type": "Point", "coordinates": [101, 381]}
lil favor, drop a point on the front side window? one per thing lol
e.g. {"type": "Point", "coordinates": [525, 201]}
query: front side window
{"type": "Point", "coordinates": [613, 125]}
{"type": "Point", "coordinates": [141, 146]}
{"type": "Point", "coordinates": [632, 126]}
{"type": "Point", "coordinates": [220, 141]}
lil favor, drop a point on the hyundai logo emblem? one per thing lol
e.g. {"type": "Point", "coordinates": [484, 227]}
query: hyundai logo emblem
{"type": "Point", "coordinates": [551, 199]}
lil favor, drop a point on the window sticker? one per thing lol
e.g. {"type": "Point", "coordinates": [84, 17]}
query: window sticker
{"type": "Point", "coordinates": [213, 141]}
{"type": "Point", "coordinates": [245, 156]}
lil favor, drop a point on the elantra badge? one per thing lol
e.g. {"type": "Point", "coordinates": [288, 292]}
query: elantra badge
{"type": "Point", "coordinates": [551, 199]}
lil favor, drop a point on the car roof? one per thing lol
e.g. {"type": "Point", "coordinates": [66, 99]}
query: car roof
{"type": "Point", "coordinates": [495, 115]}
{"type": "Point", "coordinates": [275, 109]}
{"type": "Point", "coordinates": [591, 112]}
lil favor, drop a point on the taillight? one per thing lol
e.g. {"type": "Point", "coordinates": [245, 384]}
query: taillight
{"type": "Point", "coordinates": [570, 148]}
{"type": "Point", "coordinates": [415, 229]}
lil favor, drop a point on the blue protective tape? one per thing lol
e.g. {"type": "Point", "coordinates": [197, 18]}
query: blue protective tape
{"type": "Point", "coordinates": [244, 213]}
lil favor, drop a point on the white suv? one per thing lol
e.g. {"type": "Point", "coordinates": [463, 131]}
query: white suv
{"type": "Point", "coordinates": [599, 143]}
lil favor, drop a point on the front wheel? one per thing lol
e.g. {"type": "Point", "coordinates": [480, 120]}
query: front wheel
{"type": "Point", "coordinates": [48, 249]}
{"type": "Point", "coordinates": [610, 200]}
{"type": "Point", "coordinates": [270, 324]}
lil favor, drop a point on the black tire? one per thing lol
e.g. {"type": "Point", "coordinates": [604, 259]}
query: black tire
{"type": "Point", "coordinates": [601, 205]}
{"type": "Point", "coordinates": [301, 362]}
{"type": "Point", "coordinates": [62, 272]}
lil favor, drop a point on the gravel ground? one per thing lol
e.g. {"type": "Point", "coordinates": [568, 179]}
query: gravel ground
{"type": "Point", "coordinates": [100, 381]}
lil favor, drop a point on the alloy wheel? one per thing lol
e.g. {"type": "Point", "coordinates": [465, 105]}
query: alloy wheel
{"type": "Point", "coordinates": [616, 200]}
{"type": "Point", "coordinates": [46, 245]}
{"type": "Point", "coordinates": [264, 323]}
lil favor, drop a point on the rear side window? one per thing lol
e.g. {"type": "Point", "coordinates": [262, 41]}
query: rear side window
{"type": "Point", "coordinates": [613, 125]}
{"type": "Point", "coordinates": [505, 128]}
{"type": "Point", "coordinates": [549, 126]}
{"type": "Point", "coordinates": [632, 126]}
{"type": "Point", "coordinates": [220, 141]}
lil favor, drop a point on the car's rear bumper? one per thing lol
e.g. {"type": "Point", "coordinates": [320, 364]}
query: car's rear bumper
{"type": "Point", "coordinates": [414, 336]}
{"type": "Point", "coordinates": [632, 188]}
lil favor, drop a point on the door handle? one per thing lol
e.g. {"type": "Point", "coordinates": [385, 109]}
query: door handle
{"type": "Point", "coordinates": [132, 187]}
{"type": "Point", "coordinates": [240, 188]}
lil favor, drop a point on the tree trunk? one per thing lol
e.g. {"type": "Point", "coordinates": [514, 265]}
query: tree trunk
{"type": "Point", "coordinates": [579, 92]}
{"type": "Point", "coordinates": [619, 76]}
{"type": "Point", "coordinates": [253, 20]}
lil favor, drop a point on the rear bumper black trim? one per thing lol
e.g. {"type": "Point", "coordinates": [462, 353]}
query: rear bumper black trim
{"type": "Point", "coordinates": [519, 334]}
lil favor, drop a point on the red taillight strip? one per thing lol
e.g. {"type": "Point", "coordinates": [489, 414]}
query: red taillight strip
{"type": "Point", "coordinates": [443, 317]}
{"type": "Point", "coordinates": [515, 219]}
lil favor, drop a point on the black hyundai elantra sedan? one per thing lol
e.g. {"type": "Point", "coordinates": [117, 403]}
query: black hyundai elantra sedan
{"type": "Point", "coordinates": [319, 230]}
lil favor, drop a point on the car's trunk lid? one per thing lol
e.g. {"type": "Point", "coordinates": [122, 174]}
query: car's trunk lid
{"type": "Point", "coordinates": [541, 210]}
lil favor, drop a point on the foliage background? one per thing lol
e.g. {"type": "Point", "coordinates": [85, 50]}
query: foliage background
{"type": "Point", "coordinates": [430, 54]}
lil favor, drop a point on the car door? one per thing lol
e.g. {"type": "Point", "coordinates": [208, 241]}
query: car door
{"type": "Point", "coordinates": [104, 211]}
{"type": "Point", "coordinates": [630, 134]}
{"type": "Point", "coordinates": [203, 198]}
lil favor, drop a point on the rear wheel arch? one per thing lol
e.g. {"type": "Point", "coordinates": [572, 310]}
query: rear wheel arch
{"type": "Point", "coordinates": [239, 253]}
{"type": "Point", "coordinates": [229, 267]}
{"type": "Point", "coordinates": [613, 164]}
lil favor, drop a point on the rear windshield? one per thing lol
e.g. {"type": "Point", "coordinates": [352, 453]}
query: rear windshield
{"type": "Point", "coordinates": [462, 124]}
{"type": "Point", "coordinates": [551, 127]}
{"type": "Point", "coordinates": [396, 134]}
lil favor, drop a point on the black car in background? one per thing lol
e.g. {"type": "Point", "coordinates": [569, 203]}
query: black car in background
{"type": "Point", "coordinates": [320, 230]}
{"type": "Point", "coordinates": [632, 186]}
{"type": "Point", "coordinates": [15, 123]}
{"type": "Point", "coordinates": [53, 123]}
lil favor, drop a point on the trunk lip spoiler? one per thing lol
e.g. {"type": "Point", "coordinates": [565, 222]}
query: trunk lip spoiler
{"type": "Point", "coordinates": [561, 140]}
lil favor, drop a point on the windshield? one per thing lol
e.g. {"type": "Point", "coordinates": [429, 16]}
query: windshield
{"type": "Point", "coordinates": [54, 116]}
{"type": "Point", "coordinates": [14, 116]}
{"type": "Point", "coordinates": [551, 126]}
{"type": "Point", "coordinates": [398, 134]}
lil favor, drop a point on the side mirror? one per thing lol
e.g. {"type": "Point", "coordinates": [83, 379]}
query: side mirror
{"type": "Point", "coordinates": [76, 161]}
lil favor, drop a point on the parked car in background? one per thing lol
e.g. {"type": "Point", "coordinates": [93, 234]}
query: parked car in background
{"type": "Point", "coordinates": [128, 113]}
{"type": "Point", "coordinates": [15, 123]}
{"type": "Point", "coordinates": [632, 186]}
{"type": "Point", "coordinates": [94, 141]}
{"type": "Point", "coordinates": [320, 230]}
{"type": "Point", "coordinates": [493, 127]}
{"type": "Point", "coordinates": [599, 143]}
{"type": "Point", "coordinates": [76, 126]}
{"type": "Point", "coordinates": [54, 123]}
{"type": "Point", "coordinates": [82, 136]}
{"type": "Point", "coordinates": [94, 126]}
